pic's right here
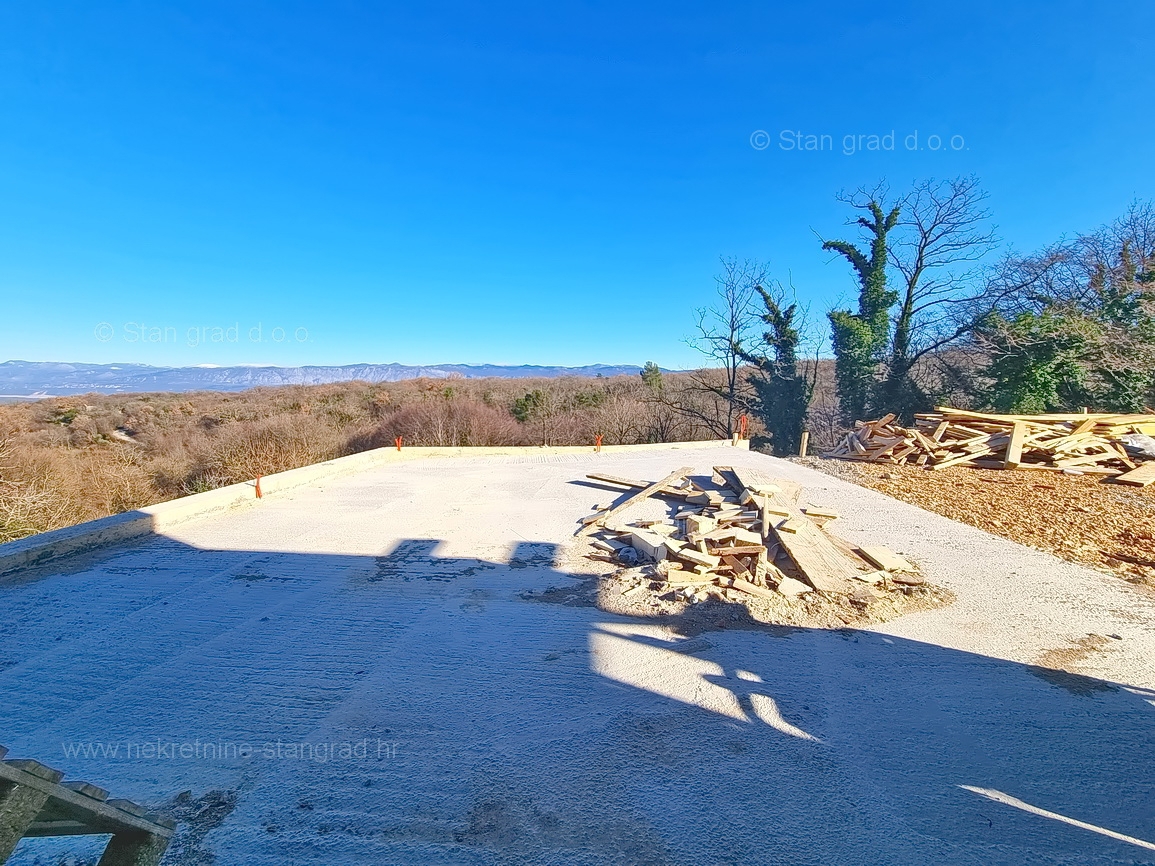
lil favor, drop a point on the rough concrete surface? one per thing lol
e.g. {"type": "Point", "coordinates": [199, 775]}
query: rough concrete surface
{"type": "Point", "coordinates": [399, 615]}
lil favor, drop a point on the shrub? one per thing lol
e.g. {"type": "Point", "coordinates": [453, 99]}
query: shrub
{"type": "Point", "coordinates": [440, 422]}
{"type": "Point", "coordinates": [243, 450]}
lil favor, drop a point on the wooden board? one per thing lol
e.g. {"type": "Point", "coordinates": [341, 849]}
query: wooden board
{"type": "Point", "coordinates": [884, 558]}
{"type": "Point", "coordinates": [641, 495]}
{"type": "Point", "coordinates": [636, 485]}
{"type": "Point", "coordinates": [1015, 446]}
{"type": "Point", "coordinates": [688, 554]}
{"type": "Point", "coordinates": [740, 479]}
{"type": "Point", "coordinates": [682, 578]}
{"type": "Point", "coordinates": [753, 589]}
{"type": "Point", "coordinates": [1140, 477]}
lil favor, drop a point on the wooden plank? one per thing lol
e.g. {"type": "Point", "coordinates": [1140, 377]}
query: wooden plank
{"type": "Point", "coordinates": [1086, 426]}
{"type": "Point", "coordinates": [884, 558]}
{"type": "Point", "coordinates": [825, 566]}
{"type": "Point", "coordinates": [1015, 446]}
{"type": "Point", "coordinates": [36, 769]}
{"type": "Point", "coordinates": [735, 533]}
{"type": "Point", "coordinates": [87, 789]}
{"type": "Point", "coordinates": [751, 588]}
{"type": "Point", "coordinates": [947, 411]}
{"type": "Point", "coordinates": [99, 816]}
{"type": "Point", "coordinates": [740, 550]}
{"type": "Point", "coordinates": [1140, 477]}
{"type": "Point", "coordinates": [687, 578]}
{"type": "Point", "coordinates": [961, 458]}
{"type": "Point", "coordinates": [741, 479]}
{"type": "Point", "coordinates": [740, 570]}
{"type": "Point", "coordinates": [640, 496]}
{"type": "Point", "coordinates": [697, 558]}
{"type": "Point", "coordinates": [632, 483]}
{"type": "Point", "coordinates": [820, 513]}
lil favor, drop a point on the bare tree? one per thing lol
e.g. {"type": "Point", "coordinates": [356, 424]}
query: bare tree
{"type": "Point", "coordinates": [716, 395]}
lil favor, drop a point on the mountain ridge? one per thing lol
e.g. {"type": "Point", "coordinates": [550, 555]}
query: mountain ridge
{"type": "Point", "coordinates": [62, 378]}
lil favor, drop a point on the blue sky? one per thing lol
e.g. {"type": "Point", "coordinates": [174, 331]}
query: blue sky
{"type": "Point", "coordinates": [510, 183]}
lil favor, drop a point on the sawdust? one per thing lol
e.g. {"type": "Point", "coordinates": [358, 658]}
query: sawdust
{"type": "Point", "coordinates": [1078, 518]}
{"type": "Point", "coordinates": [633, 592]}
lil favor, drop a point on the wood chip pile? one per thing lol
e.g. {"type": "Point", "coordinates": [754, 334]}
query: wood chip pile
{"type": "Point", "coordinates": [743, 533]}
{"type": "Point", "coordinates": [1092, 444]}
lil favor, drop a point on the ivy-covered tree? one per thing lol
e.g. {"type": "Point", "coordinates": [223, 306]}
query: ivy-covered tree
{"type": "Point", "coordinates": [782, 391]}
{"type": "Point", "coordinates": [890, 355]}
{"type": "Point", "coordinates": [860, 338]}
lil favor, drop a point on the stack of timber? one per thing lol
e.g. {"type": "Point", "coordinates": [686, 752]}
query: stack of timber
{"type": "Point", "coordinates": [35, 801]}
{"type": "Point", "coordinates": [745, 533]}
{"type": "Point", "coordinates": [1087, 443]}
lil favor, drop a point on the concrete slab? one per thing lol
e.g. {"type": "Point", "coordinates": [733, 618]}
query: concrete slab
{"type": "Point", "coordinates": [351, 673]}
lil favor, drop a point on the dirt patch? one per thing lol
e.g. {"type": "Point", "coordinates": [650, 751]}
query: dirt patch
{"type": "Point", "coordinates": [583, 594]}
{"type": "Point", "coordinates": [1066, 658]}
{"type": "Point", "coordinates": [1059, 666]}
{"type": "Point", "coordinates": [195, 817]}
{"type": "Point", "coordinates": [1078, 518]}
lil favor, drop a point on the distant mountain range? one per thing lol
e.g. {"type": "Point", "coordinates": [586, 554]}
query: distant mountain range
{"type": "Point", "coordinates": [47, 378]}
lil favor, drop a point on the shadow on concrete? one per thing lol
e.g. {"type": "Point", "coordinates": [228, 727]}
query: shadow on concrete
{"type": "Point", "coordinates": [522, 724]}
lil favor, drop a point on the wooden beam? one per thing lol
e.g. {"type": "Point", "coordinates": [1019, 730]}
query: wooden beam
{"type": "Point", "coordinates": [102, 815]}
{"type": "Point", "coordinates": [641, 495]}
{"type": "Point", "coordinates": [751, 588]}
{"type": "Point", "coordinates": [1015, 446]}
{"type": "Point", "coordinates": [740, 479]}
{"type": "Point", "coordinates": [19, 806]}
{"type": "Point", "coordinates": [884, 558]}
{"type": "Point", "coordinates": [825, 566]}
{"type": "Point", "coordinates": [632, 483]}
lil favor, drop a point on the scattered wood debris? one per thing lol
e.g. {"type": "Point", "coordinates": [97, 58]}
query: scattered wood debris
{"type": "Point", "coordinates": [1093, 444]}
{"type": "Point", "coordinates": [743, 534]}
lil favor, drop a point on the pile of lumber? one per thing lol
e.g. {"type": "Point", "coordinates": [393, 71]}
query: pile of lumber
{"type": "Point", "coordinates": [1088, 443]}
{"type": "Point", "coordinates": [741, 532]}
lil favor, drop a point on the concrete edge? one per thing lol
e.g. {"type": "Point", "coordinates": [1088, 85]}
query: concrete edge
{"type": "Point", "coordinates": [94, 534]}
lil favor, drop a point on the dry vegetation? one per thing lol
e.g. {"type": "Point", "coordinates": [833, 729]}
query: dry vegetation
{"type": "Point", "coordinates": [67, 460]}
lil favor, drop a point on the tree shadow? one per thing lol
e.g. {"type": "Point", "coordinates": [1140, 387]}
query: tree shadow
{"type": "Point", "coordinates": [507, 719]}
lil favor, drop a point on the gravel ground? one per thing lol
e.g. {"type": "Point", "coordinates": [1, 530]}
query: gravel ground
{"type": "Point", "coordinates": [1079, 518]}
